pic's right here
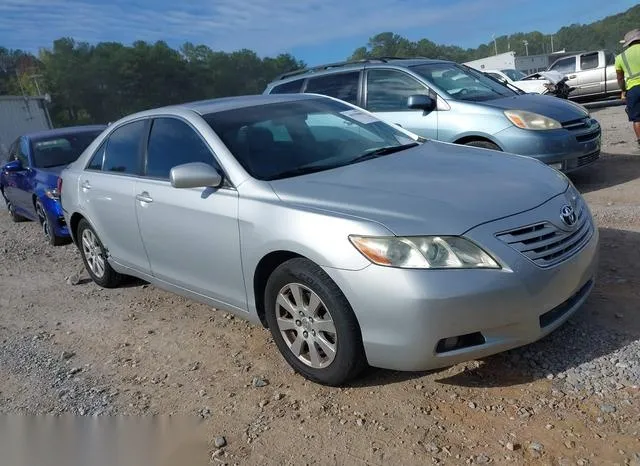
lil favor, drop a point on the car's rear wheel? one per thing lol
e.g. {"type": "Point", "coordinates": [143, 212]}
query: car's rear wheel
{"type": "Point", "coordinates": [313, 324]}
{"type": "Point", "coordinates": [94, 257]}
{"type": "Point", "coordinates": [12, 210]}
{"type": "Point", "coordinates": [47, 227]}
{"type": "Point", "coordinates": [483, 145]}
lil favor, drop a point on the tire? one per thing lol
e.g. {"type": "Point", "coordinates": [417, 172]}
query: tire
{"type": "Point", "coordinates": [305, 340]}
{"type": "Point", "coordinates": [483, 145]}
{"type": "Point", "coordinates": [48, 228]}
{"type": "Point", "coordinates": [94, 257]}
{"type": "Point", "coordinates": [15, 218]}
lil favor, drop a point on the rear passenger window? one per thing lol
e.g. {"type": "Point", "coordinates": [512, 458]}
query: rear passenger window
{"type": "Point", "coordinates": [343, 86]}
{"type": "Point", "coordinates": [97, 159]}
{"type": "Point", "coordinates": [123, 149]}
{"type": "Point", "coordinates": [292, 87]}
{"type": "Point", "coordinates": [173, 142]}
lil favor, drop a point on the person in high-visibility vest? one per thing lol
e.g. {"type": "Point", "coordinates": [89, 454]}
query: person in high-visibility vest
{"type": "Point", "coordinates": [628, 74]}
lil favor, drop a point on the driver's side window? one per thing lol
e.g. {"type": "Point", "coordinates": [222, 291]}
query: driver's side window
{"type": "Point", "coordinates": [21, 153]}
{"type": "Point", "coordinates": [565, 66]}
{"type": "Point", "coordinates": [388, 90]}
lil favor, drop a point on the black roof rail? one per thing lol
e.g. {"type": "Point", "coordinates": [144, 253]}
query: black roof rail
{"type": "Point", "coordinates": [387, 58]}
{"type": "Point", "coordinates": [328, 66]}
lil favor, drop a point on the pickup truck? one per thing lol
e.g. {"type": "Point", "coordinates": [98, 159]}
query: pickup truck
{"type": "Point", "coordinates": [591, 73]}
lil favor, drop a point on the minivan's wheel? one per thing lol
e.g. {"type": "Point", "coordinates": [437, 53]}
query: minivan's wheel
{"type": "Point", "coordinates": [313, 324]}
{"type": "Point", "coordinates": [47, 227]}
{"type": "Point", "coordinates": [95, 257]}
{"type": "Point", "coordinates": [483, 145]}
{"type": "Point", "coordinates": [12, 211]}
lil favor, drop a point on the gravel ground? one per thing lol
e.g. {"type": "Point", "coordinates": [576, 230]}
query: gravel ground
{"type": "Point", "coordinates": [571, 398]}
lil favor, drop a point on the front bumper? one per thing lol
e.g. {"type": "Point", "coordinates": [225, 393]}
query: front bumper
{"type": "Point", "coordinates": [405, 315]}
{"type": "Point", "coordinates": [566, 149]}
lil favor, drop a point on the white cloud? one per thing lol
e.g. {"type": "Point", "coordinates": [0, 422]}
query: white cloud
{"type": "Point", "coordinates": [267, 26]}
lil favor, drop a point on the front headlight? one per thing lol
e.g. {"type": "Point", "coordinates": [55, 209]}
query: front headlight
{"type": "Point", "coordinates": [530, 120]}
{"type": "Point", "coordinates": [424, 252]}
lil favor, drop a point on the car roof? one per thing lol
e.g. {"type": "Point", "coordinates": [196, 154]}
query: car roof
{"type": "Point", "coordinates": [203, 107]}
{"type": "Point", "coordinates": [64, 131]}
{"type": "Point", "coordinates": [329, 68]}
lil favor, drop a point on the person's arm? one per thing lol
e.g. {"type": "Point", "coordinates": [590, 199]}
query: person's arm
{"type": "Point", "coordinates": [620, 76]}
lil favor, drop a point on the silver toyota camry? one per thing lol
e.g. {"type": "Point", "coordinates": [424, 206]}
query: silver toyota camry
{"type": "Point", "coordinates": [354, 241]}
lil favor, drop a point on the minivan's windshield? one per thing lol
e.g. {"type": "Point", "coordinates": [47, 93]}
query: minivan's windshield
{"type": "Point", "coordinates": [285, 139]}
{"type": "Point", "coordinates": [462, 83]}
{"type": "Point", "coordinates": [61, 150]}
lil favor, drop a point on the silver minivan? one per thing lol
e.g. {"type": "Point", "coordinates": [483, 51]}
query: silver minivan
{"type": "Point", "coordinates": [453, 103]}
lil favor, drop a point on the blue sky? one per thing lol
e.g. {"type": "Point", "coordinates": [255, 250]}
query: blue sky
{"type": "Point", "coordinates": [316, 31]}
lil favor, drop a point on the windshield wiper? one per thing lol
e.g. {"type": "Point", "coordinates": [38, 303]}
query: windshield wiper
{"type": "Point", "coordinates": [379, 151]}
{"type": "Point", "coordinates": [304, 170]}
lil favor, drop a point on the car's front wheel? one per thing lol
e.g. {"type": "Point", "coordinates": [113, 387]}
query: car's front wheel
{"type": "Point", "coordinates": [313, 324]}
{"type": "Point", "coordinates": [47, 226]}
{"type": "Point", "coordinates": [94, 257]}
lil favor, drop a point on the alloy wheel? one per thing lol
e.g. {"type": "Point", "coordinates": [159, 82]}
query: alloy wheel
{"type": "Point", "coordinates": [42, 218]}
{"type": "Point", "coordinates": [93, 253]}
{"type": "Point", "coordinates": [306, 325]}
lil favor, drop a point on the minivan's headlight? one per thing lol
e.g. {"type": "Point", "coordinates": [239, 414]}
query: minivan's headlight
{"type": "Point", "coordinates": [424, 252]}
{"type": "Point", "coordinates": [530, 120]}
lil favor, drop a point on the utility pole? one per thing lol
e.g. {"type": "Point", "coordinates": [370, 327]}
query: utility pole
{"type": "Point", "coordinates": [526, 46]}
{"type": "Point", "coordinates": [551, 43]}
{"type": "Point", "coordinates": [495, 44]}
{"type": "Point", "coordinates": [35, 81]}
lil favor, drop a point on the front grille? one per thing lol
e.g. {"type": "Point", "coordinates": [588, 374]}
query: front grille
{"type": "Point", "coordinates": [588, 136]}
{"type": "Point", "coordinates": [556, 313]}
{"type": "Point", "coordinates": [576, 124]}
{"type": "Point", "coordinates": [547, 245]}
{"type": "Point", "coordinates": [589, 158]}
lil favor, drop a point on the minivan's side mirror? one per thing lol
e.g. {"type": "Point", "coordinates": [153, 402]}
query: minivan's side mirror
{"type": "Point", "coordinates": [195, 175]}
{"type": "Point", "coordinates": [13, 166]}
{"type": "Point", "coordinates": [421, 102]}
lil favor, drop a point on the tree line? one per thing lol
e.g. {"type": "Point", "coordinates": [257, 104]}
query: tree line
{"type": "Point", "coordinates": [97, 83]}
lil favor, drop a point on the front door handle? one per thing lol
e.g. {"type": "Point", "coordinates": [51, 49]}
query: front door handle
{"type": "Point", "coordinates": [86, 185]}
{"type": "Point", "coordinates": [572, 76]}
{"type": "Point", "coordinates": [144, 197]}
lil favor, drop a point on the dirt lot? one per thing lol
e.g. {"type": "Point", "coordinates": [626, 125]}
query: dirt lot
{"type": "Point", "coordinates": [572, 398]}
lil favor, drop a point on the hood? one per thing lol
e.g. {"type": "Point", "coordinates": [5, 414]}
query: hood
{"type": "Point", "coordinates": [435, 188]}
{"type": "Point", "coordinates": [552, 107]}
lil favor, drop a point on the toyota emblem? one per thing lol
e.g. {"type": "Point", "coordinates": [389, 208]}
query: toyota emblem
{"type": "Point", "coordinates": [568, 216]}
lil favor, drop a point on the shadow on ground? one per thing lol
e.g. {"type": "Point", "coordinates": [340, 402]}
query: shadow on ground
{"type": "Point", "coordinates": [609, 321]}
{"type": "Point", "coordinates": [610, 170]}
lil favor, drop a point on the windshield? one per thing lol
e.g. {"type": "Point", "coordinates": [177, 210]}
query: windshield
{"type": "Point", "coordinates": [280, 140]}
{"type": "Point", "coordinates": [61, 150]}
{"type": "Point", "coordinates": [514, 75]}
{"type": "Point", "coordinates": [462, 83]}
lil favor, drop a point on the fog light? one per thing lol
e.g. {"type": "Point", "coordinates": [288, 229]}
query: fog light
{"type": "Point", "coordinates": [557, 166]}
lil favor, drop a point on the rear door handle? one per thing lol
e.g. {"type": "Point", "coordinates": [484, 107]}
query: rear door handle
{"type": "Point", "coordinates": [86, 185]}
{"type": "Point", "coordinates": [144, 197]}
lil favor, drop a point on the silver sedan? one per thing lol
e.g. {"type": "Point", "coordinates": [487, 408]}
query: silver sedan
{"type": "Point", "coordinates": [355, 242]}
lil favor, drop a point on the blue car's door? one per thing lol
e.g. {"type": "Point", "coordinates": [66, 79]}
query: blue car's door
{"type": "Point", "coordinates": [8, 177]}
{"type": "Point", "coordinates": [23, 182]}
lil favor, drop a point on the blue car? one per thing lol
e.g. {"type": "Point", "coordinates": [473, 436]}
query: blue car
{"type": "Point", "coordinates": [29, 177]}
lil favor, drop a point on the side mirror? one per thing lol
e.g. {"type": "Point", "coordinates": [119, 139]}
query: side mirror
{"type": "Point", "coordinates": [195, 175]}
{"type": "Point", "coordinates": [421, 102]}
{"type": "Point", "coordinates": [13, 166]}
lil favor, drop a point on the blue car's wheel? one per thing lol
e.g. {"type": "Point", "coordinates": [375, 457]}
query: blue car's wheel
{"type": "Point", "coordinates": [47, 227]}
{"type": "Point", "coordinates": [12, 211]}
